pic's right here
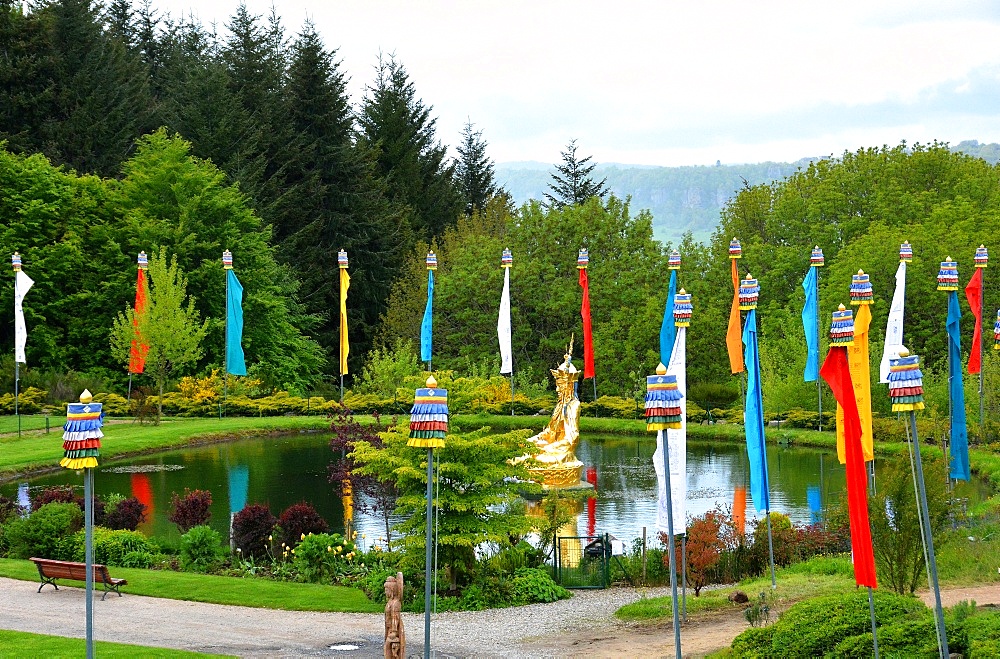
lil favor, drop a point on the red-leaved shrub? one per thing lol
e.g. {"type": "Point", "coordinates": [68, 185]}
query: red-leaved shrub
{"type": "Point", "coordinates": [65, 494]}
{"type": "Point", "coordinates": [298, 519]}
{"type": "Point", "coordinates": [251, 528]}
{"type": "Point", "coordinates": [191, 510]}
{"type": "Point", "coordinates": [127, 515]}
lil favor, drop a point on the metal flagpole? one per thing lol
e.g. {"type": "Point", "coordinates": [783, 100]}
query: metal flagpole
{"type": "Point", "coordinates": [227, 264]}
{"type": "Point", "coordinates": [673, 549]}
{"type": "Point", "coordinates": [17, 382]}
{"type": "Point", "coordinates": [684, 577]}
{"type": "Point", "coordinates": [88, 494]}
{"type": "Point", "coordinates": [871, 608]}
{"type": "Point", "coordinates": [427, 554]}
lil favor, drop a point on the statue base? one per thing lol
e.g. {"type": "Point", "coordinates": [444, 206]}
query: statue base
{"type": "Point", "coordinates": [561, 476]}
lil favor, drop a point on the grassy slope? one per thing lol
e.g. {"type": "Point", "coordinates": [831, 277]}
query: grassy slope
{"type": "Point", "coordinates": [258, 593]}
{"type": "Point", "coordinates": [25, 644]}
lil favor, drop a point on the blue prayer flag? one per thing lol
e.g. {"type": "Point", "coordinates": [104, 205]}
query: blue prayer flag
{"type": "Point", "coordinates": [235, 365]}
{"type": "Point", "coordinates": [427, 326]}
{"type": "Point", "coordinates": [810, 324]}
{"type": "Point", "coordinates": [239, 485]}
{"type": "Point", "coordinates": [959, 466]}
{"type": "Point", "coordinates": [668, 331]}
{"type": "Point", "coordinates": [753, 422]}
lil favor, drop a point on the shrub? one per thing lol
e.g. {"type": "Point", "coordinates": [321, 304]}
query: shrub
{"type": "Point", "coordinates": [110, 546]}
{"type": "Point", "coordinates": [251, 528]}
{"type": "Point", "coordinates": [533, 585]}
{"type": "Point", "coordinates": [191, 510]}
{"type": "Point", "coordinates": [703, 548]}
{"type": "Point", "coordinates": [9, 509]}
{"type": "Point", "coordinates": [114, 404]}
{"type": "Point", "coordinates": [43, 532]}
{"type": "Point", "coordinates": [138, 559]}
{"type": "Point", "coordinates": [201, 549]}
{"type": "Point", "coordinates": [319, 558]}
{"type": "Point", "coordinates": [710, 395]}
{"type": "Point", "coordinates": [127, 514]}
{"type": "Point", "coordinates": [298, 519]}
{"type": "Point", "coordinates": [753, 643]}
{"type": "Point", "coordinates": [612, 406]}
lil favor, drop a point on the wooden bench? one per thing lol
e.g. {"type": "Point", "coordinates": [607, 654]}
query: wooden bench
{"type": "Point", "coordinates": [50, 570]}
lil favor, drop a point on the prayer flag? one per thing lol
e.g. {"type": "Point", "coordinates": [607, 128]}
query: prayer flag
{"type": "Point", "coordinates": [837, 373]}
{"type": "Point", "coordinates": [959, 466]}
{"type": "Point", "coordinates": [810, 324]}
{"type": "Point", "coordinates": [137, 354]}
{"type": "Point", "coordinates": [588, 337]}
{"type": "Point", "coordinates": [668, 331]}
{"type": "Point", "coordinates": [676, 439]}
{"type": "Point", "coordinates": [345, 283]}
{"type": "Point", "coordinates": [235, 364]}
{"type": "Point", "coordinates": [733, 343]}
{"type": "Point", "coordinates": [858, 360]}
{"type": "Point", "coordinates": [753, 422]}
{"type": "Point", "coordinates": [22, 283]}
{"type": "Point", "coordinates": [894, 327]}
{"type": "Point", "coordinates": [504, 328]}
{"type": "Point", "coordinates": [427, 325]}
{"type": "Point", "coordinates": [974, 293]}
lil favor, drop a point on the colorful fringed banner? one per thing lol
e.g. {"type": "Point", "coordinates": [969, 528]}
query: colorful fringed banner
{"type": "Point", "coordinates": [842, 327]}
{"type": "Point", "coordinates": [429, 416]}
{"type": "Point", "coordinates": [674, 260]}
{"type": "Point", "coordinates": [906, 252]}
{"type": "Point", "coordinates": [663, 401]}
{"type": "Point", "coordinates": [906, 383]}
{"type": "Point", "coordinates": [996, 332]}
{"type": "Point", "coordinates": [816, 259]}
{"type": "Point", "coordinates": [735, 250]}
{"type": "Point", "coordinates": [982, 257]}
{"type": "Point", "coordinates": [82, 433]}
{"type": "Point", "coordinates": [749, 290]}
{"type": "Point", "coordinates": [947, 279]}
{"type": "Point", "coordinates": [861, 289]}
{"type": "Point", "coordinates": [682, 309]}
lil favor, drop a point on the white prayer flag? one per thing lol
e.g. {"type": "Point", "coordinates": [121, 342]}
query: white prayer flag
{"type": "Point", "coordinates": [22, 283]}
{"type": "Point", "coordinates": [503, 327]}
{"type": "Point", "coordinates": [894, 328]}
{"type": "Point", "coordinates": [677, 445]}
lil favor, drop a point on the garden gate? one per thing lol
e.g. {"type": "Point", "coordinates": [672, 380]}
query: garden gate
{"type": "Point", "coordinates": [582, 561]}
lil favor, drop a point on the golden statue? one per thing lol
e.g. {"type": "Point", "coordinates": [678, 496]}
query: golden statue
{"type": "Point", "coordinates": [556, 459]}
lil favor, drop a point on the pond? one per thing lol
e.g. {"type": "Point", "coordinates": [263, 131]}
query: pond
{"type": "Point", "coordinates": [280, 471]}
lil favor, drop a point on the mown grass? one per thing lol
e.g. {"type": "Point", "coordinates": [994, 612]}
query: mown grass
{"type": "Point", "coordinates": [40, 451]}
{"type": "Point", "coordinates": [257, 593]}
{"type": "Point", "coordinates": [26, 644]}
{"type": "Point", "coordinates": [818, 576]}
{"type": "Point", "coordinates": [30, 422]}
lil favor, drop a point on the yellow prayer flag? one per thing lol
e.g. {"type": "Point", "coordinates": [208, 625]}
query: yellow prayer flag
{"type": "Point", "coordinates": [861, 378]}
{"type": "Point", "coordinates": [345, 283]}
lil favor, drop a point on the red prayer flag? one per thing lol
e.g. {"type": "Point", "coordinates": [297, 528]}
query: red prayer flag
{"type": "Point", "coordinates": [837, 373]}
{"type": "Point", "coordinates": [734, 336]}
{"type": "Point", "coordinates": [588, 338]}
{"type": "Point", "coordinates": [137, 355]}
{"type": "Point", "coordinates": [974, 294]}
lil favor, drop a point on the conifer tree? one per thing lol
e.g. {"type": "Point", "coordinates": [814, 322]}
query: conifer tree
{"type": "Point", "coordinates": [333, 200]}
{"type": "Point", "coordinates": [572, 184]}
{"type": "Point", "coordinates": [400, 128]}
{"type": "Point", "coordinates": [474, 173]}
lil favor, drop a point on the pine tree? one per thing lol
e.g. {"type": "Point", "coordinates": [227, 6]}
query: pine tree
{"type": "Point", "coordinates": [572, 183]}
{"type": "Point", "coordinates": [474, 173]}
{"type": "Point", "coordinates": [333, 200]}
{"type": "Point", "coordinates": [399, 127]}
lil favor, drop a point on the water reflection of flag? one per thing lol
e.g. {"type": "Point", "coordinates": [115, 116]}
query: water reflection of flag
{"type": "Point", "coordinates": [740, 509]}
{"type": "Point", "coordinates": [23, 500]}
{"type": "Point", "coordinates": [592, 503]}
{"type": "Point", "coordinates": [239, 485]}
{"type": "Point", "coordinates": [815, 499]}
{"type": "Point", "coordinates": [143, 491]}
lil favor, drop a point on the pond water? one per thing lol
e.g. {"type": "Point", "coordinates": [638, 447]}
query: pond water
{"type": "Point", "coordinates": [280, 471]}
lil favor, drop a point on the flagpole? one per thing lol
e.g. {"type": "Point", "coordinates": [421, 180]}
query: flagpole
{"type": "Point", "coordinates": [342, 264]}
{"type": "Point", "coordinates": [16, 263]}
{"type": "Point", "coordinates": [817, 260]}
{"type": "Point", "coordinates": [981, 261]}
{"type": "Point", "coordinates": [227, 264]}
{"type": "Point", "coordinates": [871, 609]}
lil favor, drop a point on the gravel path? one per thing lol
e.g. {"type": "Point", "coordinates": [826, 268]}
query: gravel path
{"type": "Point", "coordinates": [265, 632]}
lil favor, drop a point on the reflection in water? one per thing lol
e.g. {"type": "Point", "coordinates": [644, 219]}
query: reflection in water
{"type": "Point", "coordinates": [280, 471]}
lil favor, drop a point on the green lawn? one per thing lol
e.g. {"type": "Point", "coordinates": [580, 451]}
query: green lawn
{"type": "Point", "coordinates": [39, 450]}
{"type": "Point", "coordinates": [30, 422]}
{"type": "Point", "coordinates": [25, 644]}
{"type": "Point", "coordinates": [258, 593]}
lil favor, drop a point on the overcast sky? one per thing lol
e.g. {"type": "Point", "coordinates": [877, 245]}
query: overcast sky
{"type": "Point", "coordinates": [673, 83]}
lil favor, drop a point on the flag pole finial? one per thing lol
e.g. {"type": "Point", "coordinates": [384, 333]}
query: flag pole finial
{"type": "Point", "coordinates": [506, 258]}
{"type": "Point", "coordinates": [15, 261]}
{"type": "Point", "coordinates": [227, 260]}
{"type": "Point", "coordinates": [342, 259]}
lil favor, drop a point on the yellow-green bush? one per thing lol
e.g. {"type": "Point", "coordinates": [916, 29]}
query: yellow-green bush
{"type": "Point", "coordinates": [30, 401]}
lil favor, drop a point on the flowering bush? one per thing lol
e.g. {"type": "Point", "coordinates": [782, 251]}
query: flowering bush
{"type": "Point", "coordinates": [319, 558]}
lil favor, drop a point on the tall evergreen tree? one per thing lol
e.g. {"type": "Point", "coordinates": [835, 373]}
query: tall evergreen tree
{"type": "Point", "coordinates": [572, 183]}
{"type": "Point", "coordinates": [333, 200]}
{"type": "Point", "coordinates": [400, 128]}
{"type": "Point", "coordinates": [474, 172]}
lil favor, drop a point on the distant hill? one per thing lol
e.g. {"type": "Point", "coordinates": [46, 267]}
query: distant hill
{"type": "Point", "coordinates": [680, 198]}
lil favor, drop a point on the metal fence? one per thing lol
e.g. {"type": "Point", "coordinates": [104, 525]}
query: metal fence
{"type": "Point", "coordinates": [582, 561]}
